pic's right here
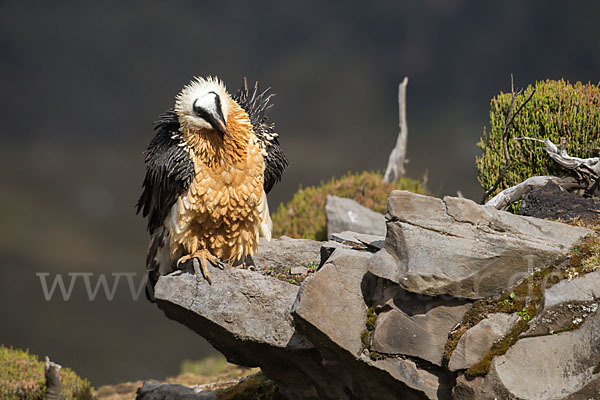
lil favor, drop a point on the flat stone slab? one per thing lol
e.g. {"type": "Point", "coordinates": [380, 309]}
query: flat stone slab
{"type": "Point", "coordinates": [420, 334]}
{"type": "Point", "coordinates": [286, 252]}
{"type": "Point", "coordinates": [347, 215]}
{"type": "Point", "coordinates": [359, 240]}
{"type": "Point", "coordinates": [247, 305]}
{"type": "Point", "coordinates": [457, 247]}
{"type": "Point", "coordinates": [584, 288]}
{"type": "Point", "coordinates": [477, 341]}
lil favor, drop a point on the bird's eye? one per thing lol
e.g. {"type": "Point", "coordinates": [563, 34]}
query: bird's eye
{"type": "Point", "coordinates": [198, 110]}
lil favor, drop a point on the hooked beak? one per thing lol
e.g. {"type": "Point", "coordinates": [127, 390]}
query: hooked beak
{"type": "Point", "coordinates": [214, 116]}
{"type": "Point", "coordinates": [218, 123]}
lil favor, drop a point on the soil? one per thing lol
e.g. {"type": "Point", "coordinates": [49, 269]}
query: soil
{"type": "Point", "coordinates": [555, 203]}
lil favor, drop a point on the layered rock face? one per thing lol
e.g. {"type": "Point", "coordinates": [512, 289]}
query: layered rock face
{"type": "Point", "coordinates": [373, 320]}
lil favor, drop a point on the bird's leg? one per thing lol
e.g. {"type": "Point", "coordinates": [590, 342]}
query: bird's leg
{"type": "Point", "coordinates": [240, 263]}
{"type": "Point", "coordinates": [200, 259]}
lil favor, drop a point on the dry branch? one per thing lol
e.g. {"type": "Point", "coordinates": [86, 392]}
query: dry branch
{"type": "Point", "coordinates": [587, 167]}
{"type": "Point", "coordinates": [509, 120]}
{"type": "Point", "coordinates": [586, 171]}
{"type": "Point", "coordinates": [395, 168]}
{"type": "Point", "coordinates": [505, 198]}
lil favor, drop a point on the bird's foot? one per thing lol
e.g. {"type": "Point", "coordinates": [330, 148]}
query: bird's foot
{"type": "Point", "coordinates": [200, 260]}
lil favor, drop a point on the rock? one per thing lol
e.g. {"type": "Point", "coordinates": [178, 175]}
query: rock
{"type": "Point", "coordinates": [328, 247]}
{"type": "Point", "coordinates": [559, 366]}
{"type": "Point", "coordinates": [359, 241]}
{"type": "Point", "coordinates": [417, 326]}
{"type": "Point", "coordinates": [585, 288]}
{"type": "Point", "coordinates": [477, 341]}
{"type": "Point", "coordinates": [553, 202]}
{"type": "Point", "coordinates": [467, 388]}
{"type": "Point", "coordinates": [286, 252]}
{"type": "Point", "coordinates": [256, 307]}
{"type": "Point", "coordinates": [331, 311]}
{"type": "Point", "coordinates": [158, 391]}
{"type": "Point", "coordinates": [298, 271]}
{"type": "Point", "coordinates": [347, 215]}
{"type": "Point", "coordinates": [561, 317]}
{"type": "Point", "coordinates": [407, 371]}
{"type": "Point", "coordinates": [246, 316]}
{"type": "Point", "coordinates": [457, 247]}
{"type": "Point", "coordinates": [332, 299]}
{"type": "Point", "coordinates": [321, 341]}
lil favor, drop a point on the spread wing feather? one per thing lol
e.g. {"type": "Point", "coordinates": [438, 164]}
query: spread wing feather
{"type": "Point", "coordinates": [169, 171]}
{"type": "Point", "coordinates": [257, 104]}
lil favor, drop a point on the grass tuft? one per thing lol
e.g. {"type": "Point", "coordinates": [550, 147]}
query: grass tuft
{"type": "Point", "coordinates": [22, 377]}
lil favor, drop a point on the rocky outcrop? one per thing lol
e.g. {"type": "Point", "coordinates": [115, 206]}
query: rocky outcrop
{"type": "Point", "coordinates": [347, 215]}
{"type": "Point", "coordinates": [373, 320]}
{"type": "Point", "coordinates": [457, 247]}
{"type": "Point", "coordinates": [559, 366]}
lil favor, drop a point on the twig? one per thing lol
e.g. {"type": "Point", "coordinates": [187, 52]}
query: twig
{"type": "Point", "coordinates": [395, 167]}
{"type": "Point", "coordinates": [509, 120]}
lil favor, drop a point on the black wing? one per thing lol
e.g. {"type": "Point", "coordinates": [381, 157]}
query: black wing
{"type": "Point", "coordinates": [169, 171]}
{"type": "Point", "coordinates": [257, 104]}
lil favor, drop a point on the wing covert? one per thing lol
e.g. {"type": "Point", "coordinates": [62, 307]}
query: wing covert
{"type": "Point", "coordinates": [169, 171]}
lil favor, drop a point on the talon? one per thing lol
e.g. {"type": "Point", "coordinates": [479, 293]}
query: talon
{"type": "Point", "coordinates": [200, 261]}
{"type": "Point", "coordinates": [218, 263]}
{"type": "Point", "coordinates": [184, 259]}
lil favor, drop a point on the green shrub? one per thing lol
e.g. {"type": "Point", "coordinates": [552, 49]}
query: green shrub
{"type": "Point", "coordinates": [557, 109]}
{"type": "Point", "coordinates": [22, 377]}
{"type": "Point", "coordinates": [304, 215]}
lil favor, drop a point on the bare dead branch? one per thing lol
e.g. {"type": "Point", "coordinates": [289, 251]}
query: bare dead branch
{"type": "Point", "coordinates": [505, 198]}
{"type": "Point", "coordinates": [509, 120]}
{"type": "Point", "coordinates": [395, 167]}
{"type": "Point", "coordinates": [586, 171]}
{"type": "Point", "coordinates": [585, 166]}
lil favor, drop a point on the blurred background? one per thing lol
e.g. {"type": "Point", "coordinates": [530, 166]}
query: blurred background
{"type": "Point", "coordinates": [82, 82]}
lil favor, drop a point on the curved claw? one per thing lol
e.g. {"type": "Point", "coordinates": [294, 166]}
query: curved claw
{"type": "Point", "coordinates": [200, 260]}
{"type": "Point", "coordinates": [218, 263]}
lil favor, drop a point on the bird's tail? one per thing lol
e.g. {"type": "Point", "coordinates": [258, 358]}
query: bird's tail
{"type": "Point", "coordinates": [158, 260]}
{"type": "Point", "coordinates": [266, 225]}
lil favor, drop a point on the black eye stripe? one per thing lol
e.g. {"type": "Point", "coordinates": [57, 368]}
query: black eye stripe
{"type": "Point", "coordinates": [199, 111]}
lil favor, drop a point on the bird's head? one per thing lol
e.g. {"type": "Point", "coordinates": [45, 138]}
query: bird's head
{"type": "Point", "coordinates": [203, 104]}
